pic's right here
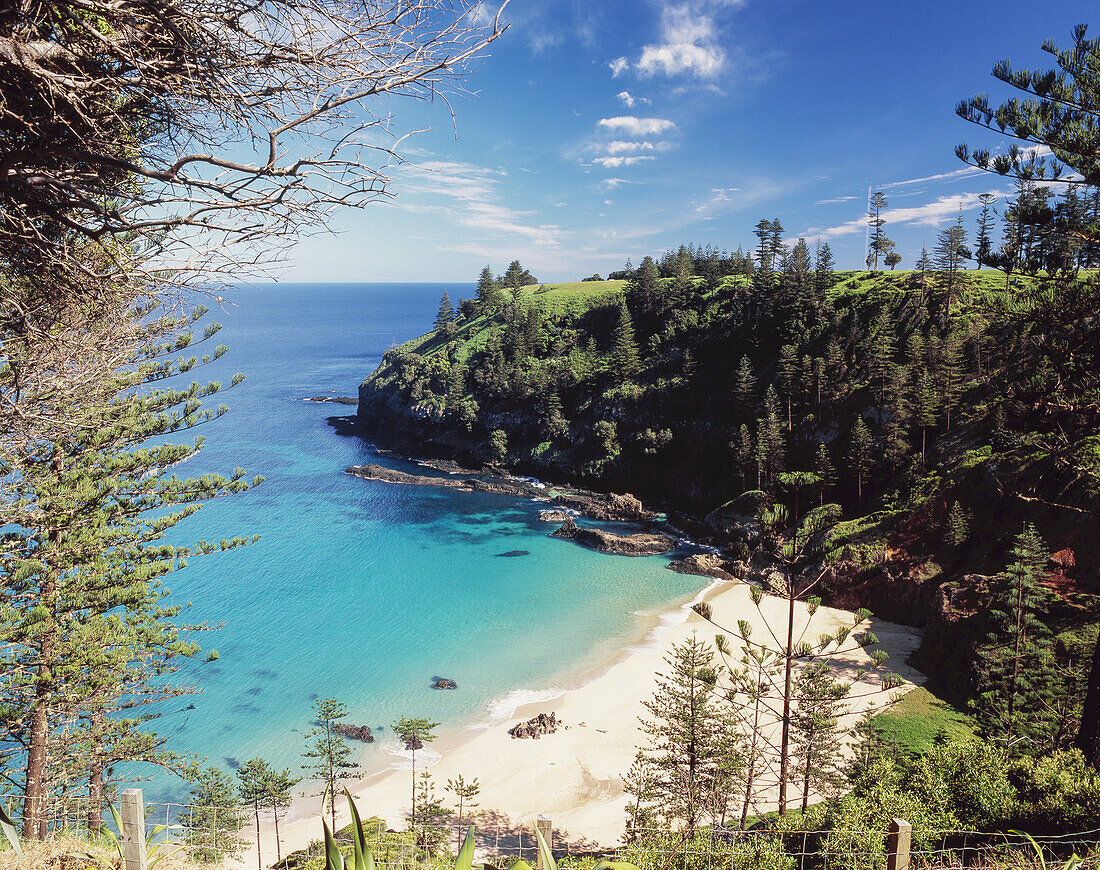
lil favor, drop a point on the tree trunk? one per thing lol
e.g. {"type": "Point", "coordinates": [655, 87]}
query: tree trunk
{"type": "Point", "coordinates": [784, 743]}
{"type": "Point", "coordinates": [278, 845]}
{"type": "Point", "coordinates": [95, 795]}
{"type": "Point", "coordinates": [34, 791]}
{"type": "Point", "coordinates": [35, 787]}
{"type": "Point", "coordinates": [256, 808]}
{"type": "Point", "coordinates": [1088, 735]}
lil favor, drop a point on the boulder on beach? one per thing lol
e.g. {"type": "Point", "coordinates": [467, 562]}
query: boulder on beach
{"type": "Point", "coordinates": [534, 728]}
{"type": "Point", "coordinates": [443, 683]}
{"type": "Point", "coordinates": [353, 732]}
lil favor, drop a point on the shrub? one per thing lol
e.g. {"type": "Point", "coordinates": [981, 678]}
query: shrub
{"type": "Point", "coordinates": [1056, 794]}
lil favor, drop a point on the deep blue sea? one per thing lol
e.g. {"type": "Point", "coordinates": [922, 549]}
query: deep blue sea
{"type": "Point", "coordinates": [360, 589]}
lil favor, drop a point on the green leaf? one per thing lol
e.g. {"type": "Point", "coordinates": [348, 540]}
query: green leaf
{"type": "Point", "coordinates": [10, 834]}
{"type": "Point", "coordinates": [364, 860]}
{"type": "Point", "coordinates": [520, 865]}
{"type": "Point", "coordinates": [333, 859]}
{"type": "Point", "coordinates": [465, 858]}
{"type": "Point", "coordinates": [546, 857]}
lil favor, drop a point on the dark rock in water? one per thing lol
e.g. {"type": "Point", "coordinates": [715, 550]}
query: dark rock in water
{"type": "Point", "coordinates": [231, 762]}
{"type": "Point", "coordinates": [353, 732]}
{"type": "Point", "coordinates": [553, 516]}
{"type": "Point", "coordinates": [640, 544]}
{"type": "Point", "coordinates": [534, 728]}
{"type": "Point", "coordinates": [256, 690]}
{"type": "Point", "coordinates": [413, 744]}
{"type": "Point", "coordinates": [512, 553]}
{"type": "Point", "coordinates": [443, 683]}
{"type": "Point", "coordinates": [339, 400]}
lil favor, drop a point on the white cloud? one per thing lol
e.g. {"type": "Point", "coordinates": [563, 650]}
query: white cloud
{"type": "Point", "coordinates": [626, 99]}
{"type": "Point", "coordinates": [620, 147]}
{"type": "Point", "coordinates": [632, 126]}
{"type": "Point", "coordinates": [835, 199]}
{"type": "Point", "coordinates": [618, 66]}
{"type": "Point", "coordinates": [615, 162]}
{"type": "Point", "coordinates": [689, 44]}
{"type": "Point", "coordinates": [612, 183]}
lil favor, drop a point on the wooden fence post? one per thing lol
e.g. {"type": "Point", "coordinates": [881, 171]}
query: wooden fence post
{"type": "Point", "coordinates": [133, 830]}
{"type": "Point", "coordinates": [545, 827]}
{"type": "Point", "coordinates": [897, 845]}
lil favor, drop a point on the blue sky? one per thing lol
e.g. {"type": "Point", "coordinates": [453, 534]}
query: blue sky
{"type": "Point", "coordinates": [599, 131]}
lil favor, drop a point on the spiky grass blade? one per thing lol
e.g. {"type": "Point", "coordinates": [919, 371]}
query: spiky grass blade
{"type": "Point", "coordinates": [10, 834]}
{"type": "Point", "coordinates": [546, 857]}
{"type": "Point", "coordinates": [465, 859]}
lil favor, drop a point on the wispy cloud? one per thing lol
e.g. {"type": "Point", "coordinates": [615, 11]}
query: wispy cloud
{"type": "Point", "coordinates": [618, 66]}
{"type": "Point", "coordinates": [836, 199]}
{"type": "Point", "coordinates": [616, 162]}
{"type": "Point", "coordinates": [621, 147]}
{"type": "Point", "coordinates": [470, 196]}
{"type": "Point", "coordinates": [942, 176]}
{"type": "Point", "coordinates": [930, 214]}
{"type": "Point", "coordinates": [633, 126]}
{"type": "Point", "coordinates": [611, 183]}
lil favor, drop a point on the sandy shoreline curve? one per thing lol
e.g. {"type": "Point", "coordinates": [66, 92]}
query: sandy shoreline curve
{"type": "Point", "coordinates": [573, 775]}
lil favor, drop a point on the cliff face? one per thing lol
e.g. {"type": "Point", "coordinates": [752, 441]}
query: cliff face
{"type": "Point", "coordinates": [692, 393]}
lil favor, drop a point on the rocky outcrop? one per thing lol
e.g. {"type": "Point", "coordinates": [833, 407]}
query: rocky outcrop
{"type": "Point", "coordinates": [534, 728]}
{"type": "Point", "coordinates": [339, 400]}
{"type": "Point", "coordinates": [606, 507]}
{"type": "Point", "coordinates": [639, 544]}
{"type": "Point", "coordinates": [443, 683]}
{"type": "Point", "coordinates": [353, 732]}
{"type": "Point", "coordinates": [553, 516]}
{"type": "Point", "coordinates": [392, 475]}
{"type": "Point", "coordinates": [709, 565]}
{"type": "Point", "coordinates": [735, 523]}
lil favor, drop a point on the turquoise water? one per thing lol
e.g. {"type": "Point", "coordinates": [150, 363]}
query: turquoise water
{"type": "Point", "coordinates": [361, 589]}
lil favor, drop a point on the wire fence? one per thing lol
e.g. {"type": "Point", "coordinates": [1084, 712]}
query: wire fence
{"type": "Point", "coordinates": [212, 835]}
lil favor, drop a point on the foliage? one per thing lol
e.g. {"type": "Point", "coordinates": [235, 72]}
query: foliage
{"type": "Point", "coordinates": [327, 752]}
{"type": "Point", "coordinates": [214, 820]}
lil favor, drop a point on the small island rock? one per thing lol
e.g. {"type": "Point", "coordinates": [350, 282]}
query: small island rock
{"type": "Point", "coordinates": [443, 683]}
{"type": "Point", "coordinates": [353, 732]}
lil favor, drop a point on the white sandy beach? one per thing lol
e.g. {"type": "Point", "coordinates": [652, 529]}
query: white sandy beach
{"type": "Point", "coordinates": [573, 775]}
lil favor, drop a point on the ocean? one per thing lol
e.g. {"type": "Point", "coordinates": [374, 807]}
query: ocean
{"type": "Point", "coordinates": [363, 590]}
